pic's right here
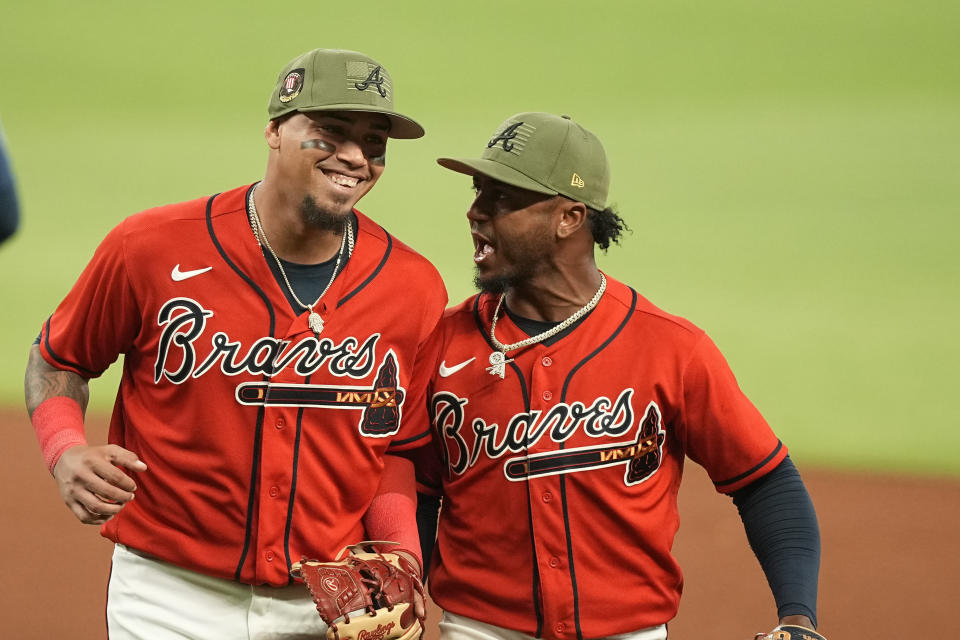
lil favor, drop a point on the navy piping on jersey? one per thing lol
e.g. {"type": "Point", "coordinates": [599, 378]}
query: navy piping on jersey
{"type": "Point", "coordinates": [566, 384]}
{"type": "Point", "coordinates": [293, 488]}
{"type": "Point", "coordinates": [383, 261]}
{"type": "Point", "coordinates": [526, 407]}
{"type": "Point", "coordinates": [419, 436]}
{"type": "Point", "coordinates": [563, 477]}
{"type": "Point", "coordinates": [258, 433]}
{"type": "Point", "coordinates": [64, 361]}
{"type": "Point", "coordinates": [760, 464]}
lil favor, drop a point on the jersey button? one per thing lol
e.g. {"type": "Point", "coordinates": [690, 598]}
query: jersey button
{"type": "Point", "coordinates": [274, 492]}
{"type": "Point", "coordinates": [554, 562]}
{"type": "Point", "coordinates": [269, 556]}
{"type": "Point", "coordinates": [547, 395]}
{"type": "Point", "coordinates": [560, 627]}
{"type": "Point", "coordinates": [280, 423]}
{"type": "Point", "coordinates": [547, 496]}
{"type": "Point", "coordinates": [547, 361]}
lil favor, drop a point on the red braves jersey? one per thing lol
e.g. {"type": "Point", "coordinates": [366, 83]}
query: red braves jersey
{"type": "Point", "coordinates": [560, 480]}
{"type": "Point", "coordinates": [263, 441]}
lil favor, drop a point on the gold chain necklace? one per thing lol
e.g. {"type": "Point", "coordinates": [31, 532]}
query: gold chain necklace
{"type": "Point", "coordinates": [499, 360]}
{"type": "Point", "coordinates": [314, 321]}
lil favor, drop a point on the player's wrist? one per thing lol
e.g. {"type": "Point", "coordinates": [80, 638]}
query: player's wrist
{"type": "Point", "coordinates": [799, 621]}
{"type": "Point", "coordinates": [58, 423]}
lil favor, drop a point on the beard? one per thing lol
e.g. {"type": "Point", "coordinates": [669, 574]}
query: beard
{"type": "Point", "coordinates": [320, 218]}
{"type": "Point", "coordinates": [501, 283]}
{"type": "Point", "coordinates": [526, 259]}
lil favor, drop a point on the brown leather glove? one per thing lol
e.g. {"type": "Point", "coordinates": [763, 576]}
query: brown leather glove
{"type": "Point", "coordinates": [790, 632]}
{"type": "Point", "coordinates": [367, 594]}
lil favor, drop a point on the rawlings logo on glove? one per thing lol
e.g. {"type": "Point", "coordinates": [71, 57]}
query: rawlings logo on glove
{"type": "Point", "coordinates": [366, 594]}
{"type": "Point", "coordinates": [377, 634]}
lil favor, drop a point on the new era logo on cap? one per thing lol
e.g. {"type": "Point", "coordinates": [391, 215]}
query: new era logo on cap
{"type": "Point", "coordinates": [577, 181]}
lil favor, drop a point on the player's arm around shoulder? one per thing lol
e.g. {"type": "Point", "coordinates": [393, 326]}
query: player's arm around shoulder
{"type": "Point", "coordinates": [89, 478]}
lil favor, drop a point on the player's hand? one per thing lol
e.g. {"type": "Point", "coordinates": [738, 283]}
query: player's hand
{"type": "Point", "coordinates": [92, 483]}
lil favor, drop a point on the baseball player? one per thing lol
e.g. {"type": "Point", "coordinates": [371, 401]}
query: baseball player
{"type": "Point", "coordinates": [271, 375]}
{"type": "Point", "coordinates": [564, 406]}
{"type": "Point", "coordinates": [9, 207]}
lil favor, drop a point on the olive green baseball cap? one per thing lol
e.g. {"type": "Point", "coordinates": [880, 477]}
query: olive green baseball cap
{"type": "Point", "coordinates": [545, 153]}
{"type": "Point", "coordinates": [339, 80]}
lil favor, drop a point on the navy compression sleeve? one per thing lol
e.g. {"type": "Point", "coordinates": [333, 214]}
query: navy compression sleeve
{"type": "Point", "coordinates": [428, 512]}
{"type": "Point", "coordinates": [782, 529]}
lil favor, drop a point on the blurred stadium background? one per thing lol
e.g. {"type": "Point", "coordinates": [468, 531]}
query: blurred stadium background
{"type": "Point", "coordinates": [790, 171]}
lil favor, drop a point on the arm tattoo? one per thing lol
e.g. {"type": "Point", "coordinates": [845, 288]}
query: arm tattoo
{"type": "Point", "coordinates": [42, 381]}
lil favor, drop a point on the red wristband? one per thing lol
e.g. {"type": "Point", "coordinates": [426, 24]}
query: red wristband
{"type": "Point", "coordinates": [392, 515]}
{"type": "Point", "coordinates": [58, 422]}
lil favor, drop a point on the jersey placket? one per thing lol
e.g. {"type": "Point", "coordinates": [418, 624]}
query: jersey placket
{"type": "Point", "coordinates": [277, 472]}
{"type": "Point", "coordinates": [546, 502]}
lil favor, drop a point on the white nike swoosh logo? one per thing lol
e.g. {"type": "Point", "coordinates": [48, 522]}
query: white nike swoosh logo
{"type": "Point", "coordinates": [449, 371]}
{"type": "Point", "coordinates": [178, 275]}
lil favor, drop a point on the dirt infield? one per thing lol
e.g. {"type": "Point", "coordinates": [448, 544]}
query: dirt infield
{"type": "Point", "coordinates": [889, 572]}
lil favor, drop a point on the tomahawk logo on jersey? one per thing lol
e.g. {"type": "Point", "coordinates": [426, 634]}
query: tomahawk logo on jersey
{"type": "Point", "coordinates": [581, 442]}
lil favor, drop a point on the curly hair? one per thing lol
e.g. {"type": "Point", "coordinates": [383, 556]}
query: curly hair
{"type": "Point", "coordinates": [606, 226]}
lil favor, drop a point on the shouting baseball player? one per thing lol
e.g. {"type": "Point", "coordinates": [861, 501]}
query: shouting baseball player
{"type": "Point", "coordinates": [270, 375]}
{"type": "Point", "coordinates": [563, 407]}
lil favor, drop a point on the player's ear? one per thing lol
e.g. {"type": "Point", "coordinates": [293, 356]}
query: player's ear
{"type": "Point", "coordinates": [272, 134]}
{"type": "Point", "coordinates": [573, 216]}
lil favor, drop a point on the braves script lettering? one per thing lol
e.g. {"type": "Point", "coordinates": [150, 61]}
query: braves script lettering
{"type": "Point", "coordinates": [602, 418]}
{"type": "Point", "coordinates": [183, 322]}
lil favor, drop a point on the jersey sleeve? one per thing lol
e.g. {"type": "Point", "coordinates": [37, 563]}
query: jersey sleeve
{"type": "Point", "coordinates": [415, 425]}
{"type": "Point", "coordinates": [723, 431]}
{"type": "Point", "coordinates": [99, 318]}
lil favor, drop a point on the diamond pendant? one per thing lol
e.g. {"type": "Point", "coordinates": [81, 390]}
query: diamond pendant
{"type": "Point", "coordinates": [498, 361]}
{"type": "Point", "coordinates": [315, 322]}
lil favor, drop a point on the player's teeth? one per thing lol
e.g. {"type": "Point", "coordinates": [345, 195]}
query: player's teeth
{"type": "Point", "coordinates": [342, 180]}
{"type": "Point", "coordinates": [483, 251]}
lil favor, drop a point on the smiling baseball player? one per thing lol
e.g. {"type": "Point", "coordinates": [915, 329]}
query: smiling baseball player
{"type": "Point", "coordinates": [270, 373]}
{"type": "Point", "coordinates": [564, 407]}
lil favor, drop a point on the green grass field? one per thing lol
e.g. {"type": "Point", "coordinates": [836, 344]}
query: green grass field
{"type": "Point", "coordinates": [791, 171]}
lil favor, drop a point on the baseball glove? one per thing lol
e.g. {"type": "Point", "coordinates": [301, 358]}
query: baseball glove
{"type": "Point", "coordinates": [366, 594]}
{"type": "Point", "coordinates": [790, 632]}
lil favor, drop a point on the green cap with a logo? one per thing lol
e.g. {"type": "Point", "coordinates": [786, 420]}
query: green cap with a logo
{"type": "Point", "coordinates": [544, 153]}
{"type": "Point", "coordinates": [339, 80]}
